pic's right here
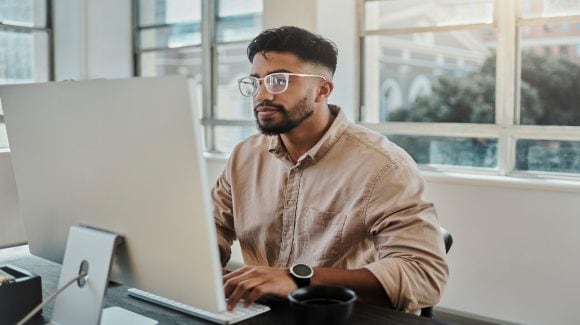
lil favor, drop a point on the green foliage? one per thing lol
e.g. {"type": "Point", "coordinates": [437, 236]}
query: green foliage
{"type": "Point", "coordinates": [550, 93]}
{"type": "Point", "coordinates": [454, 100]}
{"type": "Point", "coordinates": [556, 81]}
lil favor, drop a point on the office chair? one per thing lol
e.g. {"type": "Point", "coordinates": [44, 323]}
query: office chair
{"type": "Point", "coordinates": [448, 240]}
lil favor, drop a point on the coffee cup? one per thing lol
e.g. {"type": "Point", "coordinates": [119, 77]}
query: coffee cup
{"type": "Point", "coordinates": [322, 305]}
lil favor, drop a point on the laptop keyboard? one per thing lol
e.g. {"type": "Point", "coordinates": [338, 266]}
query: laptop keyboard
{"type": "Point", "coordinates": [239, 313]}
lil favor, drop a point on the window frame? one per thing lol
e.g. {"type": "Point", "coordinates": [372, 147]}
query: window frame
{"type": "Point", "coordinates": [508, 22]}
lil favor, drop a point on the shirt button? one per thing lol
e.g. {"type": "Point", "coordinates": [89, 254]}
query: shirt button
{"type": "Point", "coordinates": [290, 202]}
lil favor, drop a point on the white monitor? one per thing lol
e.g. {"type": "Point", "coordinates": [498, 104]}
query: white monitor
{"type": "Point", "coordinates": [124, 156]}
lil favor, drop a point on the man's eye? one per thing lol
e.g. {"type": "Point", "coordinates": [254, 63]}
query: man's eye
{"type": "Point", "coordinates": [279, 81]}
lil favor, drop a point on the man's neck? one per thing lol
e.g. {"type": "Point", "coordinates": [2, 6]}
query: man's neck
{"type": "Point", "coordinates": [305, 136]}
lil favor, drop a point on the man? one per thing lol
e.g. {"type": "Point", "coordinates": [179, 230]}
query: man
{"type": "Point", "coordinates": [316, 199]}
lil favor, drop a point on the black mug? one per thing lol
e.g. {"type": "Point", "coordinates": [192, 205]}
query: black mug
{"type": "Point", "coordinates": [322, 305]}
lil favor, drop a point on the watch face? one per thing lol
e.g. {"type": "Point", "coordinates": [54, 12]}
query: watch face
{"type": "Point", "coordinates": [302, 270]}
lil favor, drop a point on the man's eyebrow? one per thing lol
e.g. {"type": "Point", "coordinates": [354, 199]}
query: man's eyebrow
{"type": "Point", "coordinates": [270, 72]}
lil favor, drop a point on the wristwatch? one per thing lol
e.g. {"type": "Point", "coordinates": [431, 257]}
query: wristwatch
{"type": "Point", "coordinates": [301, 274]}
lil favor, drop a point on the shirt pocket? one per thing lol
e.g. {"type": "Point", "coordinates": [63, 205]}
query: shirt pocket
{"type": "Point", "coordinates": [321, 235]}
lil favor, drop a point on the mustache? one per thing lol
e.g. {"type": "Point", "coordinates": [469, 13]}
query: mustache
{"type": "Point", "coordinates": [260, 106]}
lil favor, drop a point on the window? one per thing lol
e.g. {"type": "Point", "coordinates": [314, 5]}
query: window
{"type": "Point", "coordinates": [564, 27]}
{"type": "Point", "coordinates": [25, 46]}
{"type": "Point", "coordinates": [205, 41]}
{"type": "Point", "coordinates": [494, 90]}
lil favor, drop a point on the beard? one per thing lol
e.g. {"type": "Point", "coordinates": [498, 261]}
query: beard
{"type": "Point", "coordinates": [291, 118]}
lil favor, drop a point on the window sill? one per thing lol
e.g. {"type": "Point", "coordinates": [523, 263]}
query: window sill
{"type": "Point", "coordinates": [519, 182]}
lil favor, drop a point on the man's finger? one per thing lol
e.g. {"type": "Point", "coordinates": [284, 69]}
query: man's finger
{"type": "Point", "coordinates": [242, 289]}
{"type": "Point", "coordinates": [232, 280]}
{"type": "Point", "coordinates": [256, 293]}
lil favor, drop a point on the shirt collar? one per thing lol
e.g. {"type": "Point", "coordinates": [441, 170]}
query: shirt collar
{"type": "Point", "coordinates": [336, 129]}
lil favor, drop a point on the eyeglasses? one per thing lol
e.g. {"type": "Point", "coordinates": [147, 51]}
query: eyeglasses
{"type": "Point", "coordinates": [275, 83]}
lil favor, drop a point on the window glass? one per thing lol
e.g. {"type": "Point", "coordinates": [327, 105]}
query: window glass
{"type": "Point", "coordinates": [453, 151]}
{"type": "Point", "coordinates": [425, 13]}
{"type": "Point", "coordinates": [170, 36]}
{"type": "Point", "coordinates": [550, 8]}
{"type": "Point", "coordinates": [232, 64]}
{"type": "Point", "coordinates": [186, 61]}
{"type": "Point", "coordinates": [238, 20]}
{"type": "Point", "coordinates": [550, 78]}
{"type": "Point", "coordinates": [548, 156]}
{"type": "Point", "coordinates": [430, 77]}
{"type": "Point", "coordinates": [24, 57]}
{"type": "Point", "coordinates": [3, 136]}
{"type": "Point", "coordinates": [31, 13]}
{"type": "Point", "coordinates": [160, 12]}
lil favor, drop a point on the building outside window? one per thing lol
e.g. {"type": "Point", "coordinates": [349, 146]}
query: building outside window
{"type": "Point", "coordinates": [205, 41]}
{"type": "Point", "coordinates": [26, 46]}
{"type": "Point", "coordinates": [476, 89]}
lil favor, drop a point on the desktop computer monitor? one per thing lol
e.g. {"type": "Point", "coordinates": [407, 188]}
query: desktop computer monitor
{"type": "Point", "coordinates": [124, 156]}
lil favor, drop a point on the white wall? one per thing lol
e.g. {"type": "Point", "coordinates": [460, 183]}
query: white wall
{"type": "Point", "coordinates": [301, 13]}
{"type": "Point", "coordinates": [515, 254]}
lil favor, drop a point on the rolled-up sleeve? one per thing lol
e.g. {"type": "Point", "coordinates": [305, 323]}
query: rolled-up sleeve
{"type": "Point", "coordinates": [411, 263]}
{"type": "Point", "coordinates": [223, 214]}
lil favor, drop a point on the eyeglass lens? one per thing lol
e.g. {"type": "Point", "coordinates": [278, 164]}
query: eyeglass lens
{"type": "Point", "coordinates": [274, 83]}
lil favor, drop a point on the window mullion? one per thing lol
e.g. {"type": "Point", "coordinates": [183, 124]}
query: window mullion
{"type": "Point", "coordinates": [505, 91]}
{"type": "Point", "coordinates": [207, 59]}
{"type": "Point", "coordinates": [50, 35]}
{"type": "Point", "coordinates": [136, 38]}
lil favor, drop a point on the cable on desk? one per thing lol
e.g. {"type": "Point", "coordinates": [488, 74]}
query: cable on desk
{"type": "Point", "coordinates": [50, 298]}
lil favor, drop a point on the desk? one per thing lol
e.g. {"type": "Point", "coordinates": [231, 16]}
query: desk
{"type": "Point", "coordinates": [116, 296]}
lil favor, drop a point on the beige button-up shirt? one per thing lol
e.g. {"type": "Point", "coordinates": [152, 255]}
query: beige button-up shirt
{"type": "Point", "coordinates": [353, 200]}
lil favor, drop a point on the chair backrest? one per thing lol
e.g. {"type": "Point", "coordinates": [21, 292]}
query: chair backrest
{"type": "Point", "coordinates": [448, 240]}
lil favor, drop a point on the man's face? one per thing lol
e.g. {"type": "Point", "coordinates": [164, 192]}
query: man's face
{"type": "Point", "coordinates": [280, 113]}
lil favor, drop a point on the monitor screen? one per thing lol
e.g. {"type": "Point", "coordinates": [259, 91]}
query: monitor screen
{"type": "Point", "coordinates": [124, 156]}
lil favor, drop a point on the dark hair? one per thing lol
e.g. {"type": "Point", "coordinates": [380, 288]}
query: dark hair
{"type": "Point", "coordinates": [307, 46]}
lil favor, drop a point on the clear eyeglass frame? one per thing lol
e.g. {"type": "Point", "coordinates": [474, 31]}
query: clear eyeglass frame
{"type": "Point", "coordinates": [275, 83]}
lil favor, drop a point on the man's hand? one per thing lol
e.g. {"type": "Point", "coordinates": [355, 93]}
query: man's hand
{"type": "Point", "coordinates": [252, 282]}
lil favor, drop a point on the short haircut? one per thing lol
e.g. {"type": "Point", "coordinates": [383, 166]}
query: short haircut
{"type": "Point", "coordinates": [307, 46]}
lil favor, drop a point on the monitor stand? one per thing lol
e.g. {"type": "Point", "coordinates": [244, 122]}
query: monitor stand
{"type": "Point", "coordinates": [89, 249]}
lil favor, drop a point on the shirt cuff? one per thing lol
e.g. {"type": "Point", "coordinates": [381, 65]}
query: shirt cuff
{"type": "Point", "coordinates": [395, 285]}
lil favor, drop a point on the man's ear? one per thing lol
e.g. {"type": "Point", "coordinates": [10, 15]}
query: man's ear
{"type": "Point", "coordinates": [324, 90]}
